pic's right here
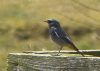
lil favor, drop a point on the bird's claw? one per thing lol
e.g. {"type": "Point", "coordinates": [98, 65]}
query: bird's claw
{"type": "Point", "coordinates": [56, 54]}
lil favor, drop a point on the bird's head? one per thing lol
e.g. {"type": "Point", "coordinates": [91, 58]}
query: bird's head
{"type": "Point", "coordinates": [53, 23]}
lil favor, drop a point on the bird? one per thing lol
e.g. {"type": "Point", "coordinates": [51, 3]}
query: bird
{"type": "Point", "coordinates": [59, 36]}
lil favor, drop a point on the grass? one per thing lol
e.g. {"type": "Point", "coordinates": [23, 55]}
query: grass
{"type": "Point", "coordinates": [22, 27]}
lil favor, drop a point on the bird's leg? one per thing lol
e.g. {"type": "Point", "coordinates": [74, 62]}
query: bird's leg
{"type": "Point", "coordinates": [59, 50]}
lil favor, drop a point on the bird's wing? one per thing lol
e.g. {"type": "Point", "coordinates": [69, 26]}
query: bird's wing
{"type": "Point", "coordinates": [68, 40]}
{"type": "Point", "coordinates": [55, 33]}
{"type": "Point", "coordinates": [65, 36]}
{"type": "Point", "coordinates": [60, 33]}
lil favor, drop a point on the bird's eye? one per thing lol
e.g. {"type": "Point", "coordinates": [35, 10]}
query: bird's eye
{"type": "Point", "coordinates": [49, 21]}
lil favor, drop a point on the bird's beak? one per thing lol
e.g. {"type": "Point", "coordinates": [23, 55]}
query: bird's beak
{"type": "Point", "coordinates": [46, 21]}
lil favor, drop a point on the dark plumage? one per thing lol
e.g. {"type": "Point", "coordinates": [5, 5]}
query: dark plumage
{"type": "Point", "coordinates": [59, 36]}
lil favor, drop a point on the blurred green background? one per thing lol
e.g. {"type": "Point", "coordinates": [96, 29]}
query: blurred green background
{"type": "Point", "coordinates": [22, 27]}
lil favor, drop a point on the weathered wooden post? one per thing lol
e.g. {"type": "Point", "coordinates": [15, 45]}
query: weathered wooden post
{"type": "Point", "coordinates": [42, 61]}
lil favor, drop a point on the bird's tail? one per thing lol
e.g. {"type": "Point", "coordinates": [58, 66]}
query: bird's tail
{"type": "Point", "coordinates": [75, 48]}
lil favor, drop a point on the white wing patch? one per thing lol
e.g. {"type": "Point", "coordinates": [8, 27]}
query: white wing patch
{"type": "Point", "coordinates": [69, 38]}
{"type": "Point", "coordinates": [56, 34]}
{"type": "Point", "coordinates": [54, 29]}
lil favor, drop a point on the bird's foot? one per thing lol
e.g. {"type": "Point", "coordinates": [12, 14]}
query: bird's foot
{"type": "Point", "coordinates": [56, 54]}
